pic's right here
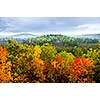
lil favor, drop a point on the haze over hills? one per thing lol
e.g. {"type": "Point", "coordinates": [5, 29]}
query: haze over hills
{"type": "Point", "coordinates": [90, 36]}
{"type": "Point", "coordinates": [26, 35]}
{"type": "Point", "coordinates": [21, 35]}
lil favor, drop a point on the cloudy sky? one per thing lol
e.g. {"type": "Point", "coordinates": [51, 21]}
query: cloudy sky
{"type": "Point", "coordinates": [39, 25]}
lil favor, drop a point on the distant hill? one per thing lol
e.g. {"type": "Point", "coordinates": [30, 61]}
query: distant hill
{"type": "Point", "coordinates": [23, 36]}
{"type": "Point", "coordinates": [90, 36]}
{"type": "Point", "coordinates": [62, 41]}
{"type": "Point", "coordinates": [26, 35]}
{"type": "Point", "coordinates": [19, 36]}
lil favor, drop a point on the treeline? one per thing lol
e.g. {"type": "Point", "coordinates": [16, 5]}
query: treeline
{"type": "Point", "coordinates": [57, 40]}
{"type": "Point", "coordinates": [61, 40]}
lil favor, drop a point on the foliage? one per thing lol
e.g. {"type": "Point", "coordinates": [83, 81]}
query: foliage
{"type": "Point", "coordinates": [63, 41]}
{"type": "Point", "coordinates": [68, 57]}
{"type": "Point", "coordinates": [48, 53]}
{"type": "Point", "coordinates": [81, 70]}
{"type": "Point", "coordinates": [36, 71]}
{"type": "Point", "coordinates": [57, 71]}
{"type": "Point", "coordinates": [77, 51]}
{"type": "Point", "coordinates": [5, 67]}
{"type": "Point", "coordinates": [45, 63]}
{"type": "Point", "coordinates": [20, 55]}
{"type": "Point", "coordinates": [95, 56]}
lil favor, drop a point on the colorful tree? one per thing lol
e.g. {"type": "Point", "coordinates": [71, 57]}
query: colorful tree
{"type": "Point", "coordinates": [36, 71]}
{"type": "Point", "coordinates": [94, 55]}
{"type": "Point", "coordinates": [5, 67]}
{"type": "Point", "coordinates": [81, 70]}
{"type": "Point", "coordinates": [56, 71]}
{"type": "Point", "coordinates": [48, 53]}
{"type": "Point", "coordinates": [68, 57]}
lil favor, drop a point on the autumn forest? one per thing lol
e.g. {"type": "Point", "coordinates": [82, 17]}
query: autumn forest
{"type": "Point", "coordinates": [50, 59]}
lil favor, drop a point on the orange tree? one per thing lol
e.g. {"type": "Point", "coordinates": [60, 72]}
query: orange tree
{"type": "Point", "coordinates": [36, 71]}
{"type": "Point", "coordinates": [5, 67]}
{"type": "Point", "coordinates": [56, 71]}
{"type": "Point", "coordinates": [81, 70]}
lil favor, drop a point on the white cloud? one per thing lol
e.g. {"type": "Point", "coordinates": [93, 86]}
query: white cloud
{"type": "Point", "coordinates": [89, 26]}
{"type": "Point", "coordinates": [92, 28]}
